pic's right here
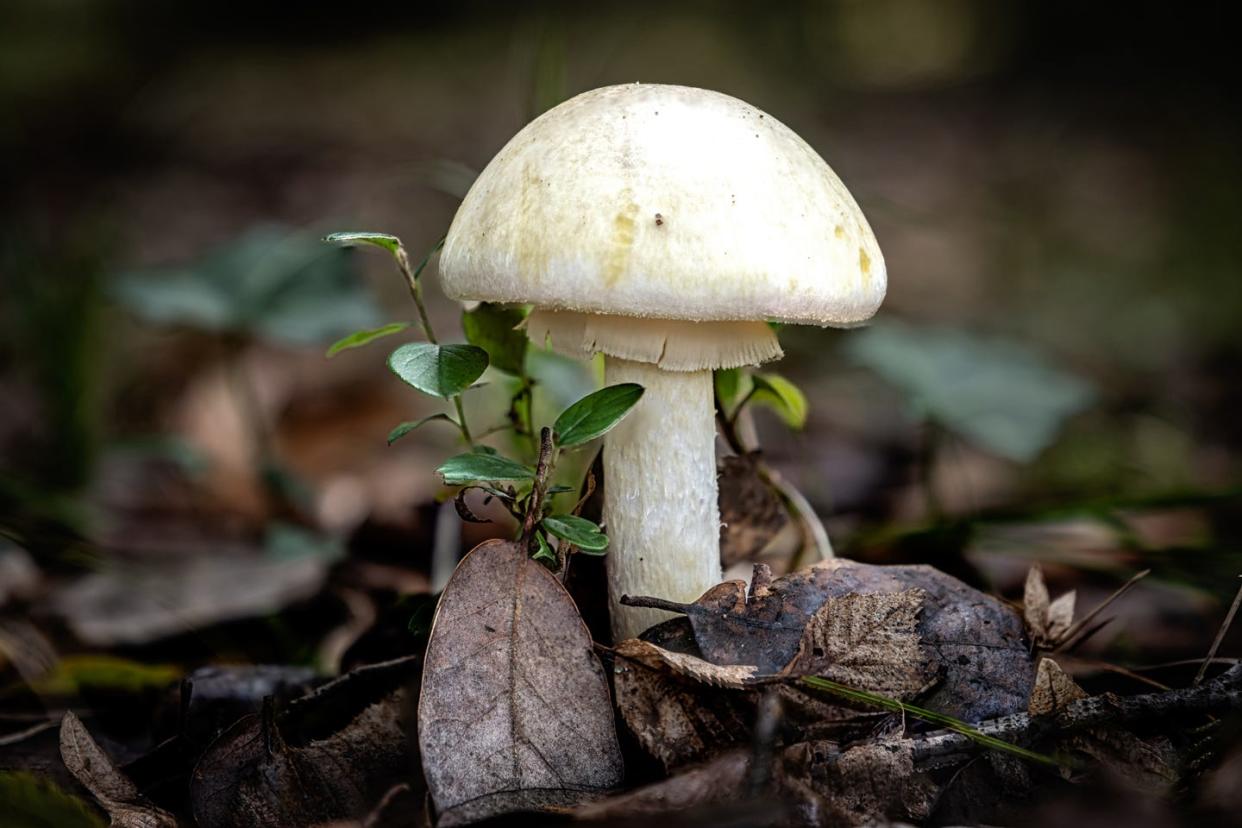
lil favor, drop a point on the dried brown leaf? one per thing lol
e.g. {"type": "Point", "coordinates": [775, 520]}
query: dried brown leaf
{"type": "Point", "coordinates": [751, 513]}
{"type": "Point", "coordinates": [870, 783]}
{"type": "Point", "coordinates": [126, 807]}
{"type": "Point", "coordinates": [987, 668]}
{"type": "Point", "coordinates": [330, 755]}
{"type": "Point", "coordinates": [734, 677]}
{"type": "Point", "coordinates": [1035, 603]}
{"type": "Point", "coordinates": [1054, 689]}
{"type": "Point", "coordinates": [1147, 764]}
{"type": "Point", "coordinates": [867, 641]}
{"type": "Point", "coordinates": [515, 713]}
{"type": "Point", "coordinates": [1061, 615]}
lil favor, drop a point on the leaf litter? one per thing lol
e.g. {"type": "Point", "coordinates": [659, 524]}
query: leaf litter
{"type": "Point", "coordinates": [515, 713]}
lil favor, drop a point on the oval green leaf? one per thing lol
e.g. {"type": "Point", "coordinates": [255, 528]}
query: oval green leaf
{"type": "Point", "coordinates": [492, 468]}
{"type": "Point", "coordinates": [782, 396]}
{"type": "Point", "coordinates": [351, 238]}
{"type": "Point", "coordinates": [595, 414]}
{"type": "Point", "coordinates": [359, 338]}
{"type": "Point", "coordinates": [405, 428]}
{"type": "Point", "coordinates": [494, 328]}
{"type": "Point", "coordinates": [579, 531]}
{"type": "Point", "coordinates": [439, 370]}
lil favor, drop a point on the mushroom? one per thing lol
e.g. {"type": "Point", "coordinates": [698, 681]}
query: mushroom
{"type": "Point", "coordinates": [663, 226]}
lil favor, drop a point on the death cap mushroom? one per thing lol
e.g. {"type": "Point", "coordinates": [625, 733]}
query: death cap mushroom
{"type": "Point", "coordinates": [663, 226]}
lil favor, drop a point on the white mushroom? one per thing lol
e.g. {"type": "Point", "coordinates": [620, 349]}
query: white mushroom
{"type": "Point", "coordinates": [663, 226]}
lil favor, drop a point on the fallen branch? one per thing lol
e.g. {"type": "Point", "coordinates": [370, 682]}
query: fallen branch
{"type": "Point", "coordinates": [1222, 694]}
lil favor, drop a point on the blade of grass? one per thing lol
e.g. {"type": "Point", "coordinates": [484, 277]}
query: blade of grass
{"type": "Point", "coordinates": [948, 722]}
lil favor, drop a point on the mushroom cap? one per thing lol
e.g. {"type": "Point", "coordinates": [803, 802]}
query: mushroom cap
{"type": "Point", "coordinates": [665, 202]}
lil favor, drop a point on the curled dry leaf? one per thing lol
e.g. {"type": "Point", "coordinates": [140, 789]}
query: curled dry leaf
{"type": "Point", "coordinates": [330, 755]}
{"type": "Point", "coordinates": [668, 699]}
{"type": "Point", "coordinates": [986, 665]}
{"type": "Point", "coordinates": [126, 807]}
{"type": "Point", "coordinates": [515, 713]}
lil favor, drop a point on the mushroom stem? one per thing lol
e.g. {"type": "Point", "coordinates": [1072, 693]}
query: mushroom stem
{"type": "Point", "coordinates": [660, 502]}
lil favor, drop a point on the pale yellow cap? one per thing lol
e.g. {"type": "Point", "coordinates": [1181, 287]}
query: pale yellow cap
{"type": "Point", "coordinates": [664, 202]}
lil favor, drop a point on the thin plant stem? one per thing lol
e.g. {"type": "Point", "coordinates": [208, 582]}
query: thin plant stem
{"type": "Point", "coordinates": [415, 285]}
{"type": "Point", "coordinates": [1220, 636]}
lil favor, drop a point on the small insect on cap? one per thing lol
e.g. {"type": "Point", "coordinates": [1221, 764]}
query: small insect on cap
{"type": "Point", "coordinates": [669, 204]}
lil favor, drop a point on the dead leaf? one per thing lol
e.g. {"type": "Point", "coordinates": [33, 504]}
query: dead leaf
{"type": "Point", "coordinates": [1054, 689]}
{"type": "Point", "coordinates": [734, 677]}
{"type": "Point", "coordinates": [751, 514]}
{"type": "Point", "coordinates": [869, 783]}
{"type": "Point", "coordinates": [1147, 764]}
{"type": "Point", "coordinates": [867, 641]}
{"type": "Point", "coordinates": [126, 807]}
{"type": "Point", "coordinates": [129, 605]}
{"type": "Point", "coordinates": [987, 669]}
{"type": "Point", "coordinates": [719, 780]}
{"type": "Point", "coordinates": [1047, 621]}
{"type": "Point", "coordinates": [1061, 615]}
{"type": "Point", "coordinates": [676, 719]}
{"type": "Point", "coordinates": [329, 755]}
{"type": "Point", "coordinates": [515, 713]}
{"type": "Point", "coordinates": [213, 698]}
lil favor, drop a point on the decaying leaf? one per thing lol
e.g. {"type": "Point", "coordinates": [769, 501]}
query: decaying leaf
{"type": "Point", "coordinates": [139, 604]}
{"type": "Point", "coordinates": [330, 755]}
{"type": "Point", "coordinates": [751, 514]}
{"type": "Point", "coordinates": [986, 665]}
{"type": "Point", "coordinates": [734, 677]}
{"type": "Point", "coordinates": [675, 718]}
{"type": "Point", "coordinates": [866, 784]}
{"type": "Point", "coordinates": [867, 641]}
{"type": "Point", "coordinates": [126, 807]}
{"type": "Point", "coordinates": [1053, 690]}
{"type": "Point", "coordinates": [515, 713]}
{"type": "Point", "coordinates": [1047, 621]}
{"type": "Point", "coordinates": [1148, 764]}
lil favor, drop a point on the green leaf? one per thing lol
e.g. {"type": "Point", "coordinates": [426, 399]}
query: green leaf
{"type": "Point", "coordinates": [479, 448]}
{"type": "Point", "coordinates": [1000, 394]}
{"type": "Point", "coordinates": [32, 801]}
{"type": "Point", "coordinates": [494, 329]}
{"type": "Point", "coordinates": [782, 396]}
{"type": "Point", "coordinates": [359, 338]}
{"type": "Point", "coordinates": [472, 467]}
{"type": "Point", "coordinates": [579, 531]}
{"type": "Point", "coordinates": [957, 725]}
{"type": "Point", "coordinates": [595, 414]}
{"type": "Point", "coordinates": [440, 370]}
{"type": "Point", "coordinates": [270, 282]}
{"type": "Point", "coordinates": [351, 238]}
{"type": "Point", "coordinates": [409, 425]}
{"type": "Point", "coordinates": [728, 383]}
{"type": "Point", "coordinates": [543, 552]}
{"type": "Point", "coordinates": [75, 674]}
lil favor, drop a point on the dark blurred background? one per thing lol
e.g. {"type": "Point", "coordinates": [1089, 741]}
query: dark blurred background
{"type": "Point", "coordinates": [1053, 376]}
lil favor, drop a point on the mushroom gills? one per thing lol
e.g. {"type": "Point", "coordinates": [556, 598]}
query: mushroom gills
{"type": "Point", "coordinates": [672, 344]}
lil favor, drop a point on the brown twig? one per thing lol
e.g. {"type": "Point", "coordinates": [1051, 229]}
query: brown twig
{"type": "Point", "coordinates": [655, 603]}
{"type": "Point", "coordinates": [1220, 695]}
{"type": "Point", "coordinates": [1067, 640]}
{"type": "Point", "coordinates": [534, 506]}
{"type": "Point", "coordinates": [1220, 636]}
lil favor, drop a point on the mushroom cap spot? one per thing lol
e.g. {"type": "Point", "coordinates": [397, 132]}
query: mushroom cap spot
{"type": "Point", "coordinates": [749, 225]}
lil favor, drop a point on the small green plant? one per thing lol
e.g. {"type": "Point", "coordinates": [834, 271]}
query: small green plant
{"type": "Point", "coordinates": [448, 371]}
